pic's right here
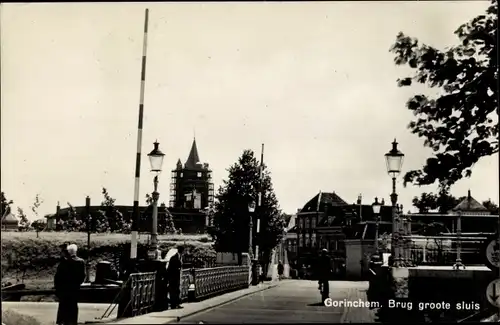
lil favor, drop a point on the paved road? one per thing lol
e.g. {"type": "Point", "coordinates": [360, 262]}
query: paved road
{"type": "Point", "coordinates": [45, 312]}
{"type": "Point", "coordinates": [293, 301]}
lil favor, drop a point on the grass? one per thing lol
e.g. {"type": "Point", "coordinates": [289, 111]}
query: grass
{"type": "Point", "coordinates": [10, 317]}
{"type": "Point", "coordinates": [102, 238]}
{"type": "Point", "coordinates": [33, 261]}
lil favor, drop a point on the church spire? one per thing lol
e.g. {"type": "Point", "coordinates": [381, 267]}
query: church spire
{"type": "Point", "coordinates": [193, 158]}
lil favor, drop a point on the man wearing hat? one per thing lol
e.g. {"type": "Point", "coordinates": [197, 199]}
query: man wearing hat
{"type": "Point", "coordinates": [69, 276]}
{"type": "Point", "coordinates": [324, 268]}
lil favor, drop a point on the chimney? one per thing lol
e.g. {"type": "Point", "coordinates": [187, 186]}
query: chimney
{"type": "Point", "coordinates": [382, 202]}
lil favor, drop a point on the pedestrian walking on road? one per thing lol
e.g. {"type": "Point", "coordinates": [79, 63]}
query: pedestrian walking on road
{"type": "Point", "coordinates": [324, 269]}
{"type": "Point", "coordinates": [174, 271]}
{"type": "Point", "coordinates": [69, 276]}
{"type": "Point", "coordinates": [281, 269]}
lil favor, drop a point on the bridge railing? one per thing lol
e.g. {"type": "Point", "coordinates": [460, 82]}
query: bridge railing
{"type": "Point", "coordinates": [444, 250]}
{"type": "Point", "coordinates": [142, 296]}
{"type": "Point", "coordinates": [196, 284]}
{"type": "Point", "coordinates": [218, 280]}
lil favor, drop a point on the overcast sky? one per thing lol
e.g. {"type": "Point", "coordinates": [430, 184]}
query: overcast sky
{"type": "Point", "coordinates": [313, 81]}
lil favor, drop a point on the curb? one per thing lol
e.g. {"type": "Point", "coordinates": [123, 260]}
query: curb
{"type": "Point", "coordinates": [269, 286]}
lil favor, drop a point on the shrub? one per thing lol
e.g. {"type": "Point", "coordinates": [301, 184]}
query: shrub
{"type": "Point", "coordinates": [25, 256]}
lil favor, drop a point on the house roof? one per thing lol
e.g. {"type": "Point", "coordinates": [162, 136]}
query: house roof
{"type": "Point", "coordinates": [322, 200]}
{"type": "Point", "coordinates": [9, 218]}
{"type": "Point", "coordinates": [193, 158]}
{"type": "Point", "coordinates": [470, 204]}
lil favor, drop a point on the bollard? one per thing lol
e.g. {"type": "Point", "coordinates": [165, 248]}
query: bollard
{"type": "Point", "coordinates": [255, 272]}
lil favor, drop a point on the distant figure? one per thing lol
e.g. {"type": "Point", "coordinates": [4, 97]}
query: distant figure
{"type": "Point", "coordinates": [174, 271]}
{"type": "Point", "coordinates": [69, 276]}
{"type": "Point", "coordinates": [324, 268]}
{"type": "Point", "coordinates": [281, 269]}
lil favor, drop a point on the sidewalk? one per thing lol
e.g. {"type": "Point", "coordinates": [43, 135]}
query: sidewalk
{"type": "Point", "coordinates": [191, 308]}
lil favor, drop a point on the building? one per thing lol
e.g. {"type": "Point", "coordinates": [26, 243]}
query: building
{"type": "Point", "coordinates": [9, 221]}
{"type": "Point", "coordinates": [191, 187]}
{"type": "Point", "coordinates": [475, 218]}
{"type": "Point", "coordinates": [191, 191]}
{"type": "Point", "coordinates": [327, 221]}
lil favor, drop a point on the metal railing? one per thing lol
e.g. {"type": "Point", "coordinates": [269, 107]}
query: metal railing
{"type": "Point", "coordinates": [213, 281]}
{"type": "Point", "coordinates": [444, 250]}
{"type": "Point", "coordinates": [142, 296]}
{"type": "Point", "coordinates": [186, 280]}
{"type": "Point", "coordinates": [195, 284]}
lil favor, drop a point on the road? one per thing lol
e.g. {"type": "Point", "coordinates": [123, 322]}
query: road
{"type": "Point", "coordinates": [45, 312]}
{"type": "Point", "coordinates": [293, 301]}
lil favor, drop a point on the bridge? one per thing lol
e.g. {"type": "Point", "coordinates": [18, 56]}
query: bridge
{"type": "Point", "coordinates": [286, 301]}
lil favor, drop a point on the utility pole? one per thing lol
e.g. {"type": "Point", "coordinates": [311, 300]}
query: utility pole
{"type": "Point", "coordinates": [136, 214]}
{"type": "Point", "coordinates": [89, 229]}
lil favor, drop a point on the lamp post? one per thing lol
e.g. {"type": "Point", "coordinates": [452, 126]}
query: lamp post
{"type": "Point", "coordinates": [156, 161]}
{"type": "Point", "coordinates": [376, 212]}
{"type": "Point", "coordinates": [254, 261]}
{"type": "Point", "coordinates": [251, 210]}
{"type": "Point", "coordinates": [394, 160]}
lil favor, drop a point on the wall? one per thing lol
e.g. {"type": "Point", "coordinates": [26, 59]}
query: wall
{"type": "Point", "coordinates": [358, 253]}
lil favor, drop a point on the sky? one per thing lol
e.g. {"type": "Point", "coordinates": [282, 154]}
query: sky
{"type": "Point", "coordinates": [314, 81]}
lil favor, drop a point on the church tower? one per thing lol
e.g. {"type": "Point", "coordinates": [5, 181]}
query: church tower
{"type": "Point", "coordinates": [191, 187]}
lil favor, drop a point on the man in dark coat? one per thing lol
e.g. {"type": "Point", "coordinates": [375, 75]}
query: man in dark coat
{"type": "Point", "coordinates": [323, 269]}
{"type": "Point", "coordinates": [69, 276]}
{"type": "Point", "coordinates": [174, 271]}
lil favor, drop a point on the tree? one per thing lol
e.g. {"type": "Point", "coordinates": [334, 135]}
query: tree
{"type": "Point", "coordinates": [491, 206]}
{"type": "Point", "coordinates": [24, 223]}
{"type": "Point", "coordinates": [442, 202]}
{"type": "Point", "coordinates": [231, 217]}
{"type": "Point", "coordinates": [461, 124]}
{"type": "Point", "coordinates": [166, 221]}
{"type": "Point", "coordinates": [5, 203]}
{"type": "Point", "coordinates": [34, 208]}
{"type": "Point", "coordinates": [113, 217]}
{"type": "Point", "coordinates": [39, 225]}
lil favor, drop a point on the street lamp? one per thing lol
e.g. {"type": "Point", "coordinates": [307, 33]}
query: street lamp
{"type": "Point", "coordinates": [254, 261]}
{"type": "Point", "coordinates": [251, 210]}
{"type": "Point", "coordinates": [376, 212]}
{"type": "Point", "coordinates": [394, 160]}
{"type": "Point", "coordinates": [156, 161]}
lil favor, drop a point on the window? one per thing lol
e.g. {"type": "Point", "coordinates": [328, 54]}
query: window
{"type": "Point", "coordinates": [313, 223]}
{"type": "Point", "coordinates": [182, 175]}
{"type": "Point", "coordinates": [199, 174]}
{"type": "Point", "coordinates": [304, 223]}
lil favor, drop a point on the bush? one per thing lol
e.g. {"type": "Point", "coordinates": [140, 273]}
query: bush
{"type": "Point", "coordinates": [24, 256]}
{"type": "Point", "coordinates": [10, 317]}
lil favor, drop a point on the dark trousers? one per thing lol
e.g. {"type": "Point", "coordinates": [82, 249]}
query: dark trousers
{"type": "Point", "coordinates": [67, 312]}
{"type": "Point", "coordinates": [324, 286]}
{"type": "Point", "coordinates": [174, 290]}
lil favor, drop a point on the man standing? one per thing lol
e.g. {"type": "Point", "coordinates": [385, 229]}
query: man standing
{"type": "Point", "coordinates": [324, 269]}
{"type": "Point", "coordinates": [69, 276]}
{"type": "Point", "coordinates": [174, 271]}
